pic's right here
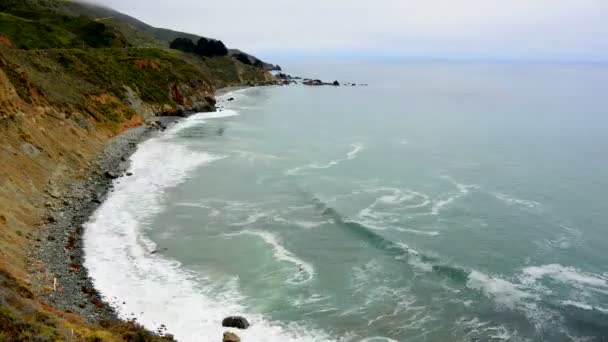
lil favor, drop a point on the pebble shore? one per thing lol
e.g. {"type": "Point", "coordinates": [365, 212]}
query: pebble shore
{"type": "Point", "coordinates": [57, 262]}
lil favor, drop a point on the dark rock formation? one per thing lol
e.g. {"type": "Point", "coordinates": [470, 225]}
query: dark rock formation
{"type": "Point", "coordinates": [313, 82]}
{"type": "Point", "coordinates": [336, 83]}
{"type": "Point", "coordinates": [112, 174]}
{"type": "Point", "coordinates": [235, 322]}
{"type": "Point", "coordinates": [211, 100]}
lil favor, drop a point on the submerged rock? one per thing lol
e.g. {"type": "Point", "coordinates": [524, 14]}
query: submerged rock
{"type": "Point", "coordinates": [235, 322]}
{"type": "Point", "coordinates": [231, 337]}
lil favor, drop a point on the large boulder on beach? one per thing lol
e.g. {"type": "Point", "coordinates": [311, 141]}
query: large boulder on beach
{"type": "Point", "coordinates": [211, 100]}
{"type": "Point", "coordinates": [230, 337]}
{"type": "Point", "coordinates": [235, 322]}
{"type": "Point", "coordinates": [112, 174]}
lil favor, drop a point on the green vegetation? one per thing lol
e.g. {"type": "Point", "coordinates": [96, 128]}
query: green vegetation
{"type": "Point", "coordinates": [149, 72]}
{"type": "Point", "coordinates": [28, 34]}
{"type": "Point", "coordinates": [204, 47]}
{"type": "Point", "coordinates": [29, 27]}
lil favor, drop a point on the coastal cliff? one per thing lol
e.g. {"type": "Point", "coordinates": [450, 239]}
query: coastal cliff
{"type": "Point", "coordinates": [68, 84]}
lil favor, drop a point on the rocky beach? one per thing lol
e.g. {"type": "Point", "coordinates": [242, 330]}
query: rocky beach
{"type": "Point", "coordinates": [59, 245]}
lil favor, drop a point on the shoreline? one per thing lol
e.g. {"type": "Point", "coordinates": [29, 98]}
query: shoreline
{"type": "Point", "coordinates": [57, 265]}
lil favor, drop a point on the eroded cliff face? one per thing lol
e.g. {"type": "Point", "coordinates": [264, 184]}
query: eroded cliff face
{"type": "Point", "coordinates": [57, 110]}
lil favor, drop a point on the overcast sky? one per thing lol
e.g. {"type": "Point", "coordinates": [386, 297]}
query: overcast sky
{"type": "Point", "coordinates": [522, 29]}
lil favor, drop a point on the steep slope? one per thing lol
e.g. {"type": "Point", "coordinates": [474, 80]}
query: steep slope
{"type": "Point", "coordinates": [67, 85]}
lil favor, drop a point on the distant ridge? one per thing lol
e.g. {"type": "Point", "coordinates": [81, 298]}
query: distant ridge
{"type": "Point", "coordinates": [145, 35]}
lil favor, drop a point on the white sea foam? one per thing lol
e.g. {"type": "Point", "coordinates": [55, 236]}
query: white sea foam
{"type": "Point", "coordinates": [503, 292]}
{"type": "Point", "coordinates": [198, 119]}
{"type": "Point", "coordinates": [251, 219]}
{"type": "Point", "coordinates": [515, 201]}
{"type": "Point", "coordinates": [584, 306]}
{"type": "Point", "coordinates": [414, 259]}
{"type": "Point", "coordinates": [463, 190]}
{"type": "Point", "coordinates": [352, 154]}
{"type": "Point", "coordinates": [215, 115]}
{"type": "Point", "coordinates": [310, 300]}
{"type": "Point", "coordinates": [386, 209]}
{"type": "Point", "coordinates": [192, 205]}
{"type": "Point", "coordinates": [155, 290]}
{"type": "Point", "coordinates": [568, 275]}
{"type": "Point", "coordinates": [477, 330]}
{"type": "Point", "coordinates": [417, 231]}
{"type": "Point", "coordinates": [305, 271]}
{"type": "Point", "coordinates": [404, 199]}
{"type": "Point", "coordinates": [378, 339]}
{"type": "Point", "coordinates": [357, 147]}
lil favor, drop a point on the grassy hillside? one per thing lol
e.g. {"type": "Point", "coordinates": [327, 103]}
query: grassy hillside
{"type": "Point", "coordinates": [52, 12]}
{"type": "Point", "coordinates": [34, 26]}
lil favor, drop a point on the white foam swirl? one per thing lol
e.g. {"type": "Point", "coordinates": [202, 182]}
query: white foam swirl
{"type": "Point", "coordinates": [305, 271]}
{"type": "Point", "coordinates": [352, 154]}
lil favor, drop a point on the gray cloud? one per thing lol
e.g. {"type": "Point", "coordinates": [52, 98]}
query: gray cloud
{"type": "Point", "coordinates": [439, 28]}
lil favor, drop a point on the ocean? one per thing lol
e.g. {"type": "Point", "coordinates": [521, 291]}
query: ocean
{"type": "Point", "coordinates": [441, 202]}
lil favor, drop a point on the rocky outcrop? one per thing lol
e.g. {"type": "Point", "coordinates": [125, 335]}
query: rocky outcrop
{"type": "Point", "coordinates": [230, 337]}
{"type": "Point", "coordinates": [317, 82]}
{"type": "Point", "coordinates": [235, 322]}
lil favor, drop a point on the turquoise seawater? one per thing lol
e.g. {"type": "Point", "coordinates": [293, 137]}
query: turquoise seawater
{"type": "Point", "coordinates": [442, 202]}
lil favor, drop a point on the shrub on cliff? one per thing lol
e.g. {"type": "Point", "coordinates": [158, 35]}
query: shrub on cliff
{"type": "Point", "coordinates": [183, 44]}
{"type": "Point", "coordinates": [243, 58]}
{"type": "Point", "coordinates": [204, 47]}
{"type": "Point", "coordinates": [211, 48]}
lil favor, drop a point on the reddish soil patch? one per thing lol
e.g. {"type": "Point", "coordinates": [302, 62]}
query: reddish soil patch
{"type": "Point", "coordinates": [135, 121]}
{"type": "Point", "coordinates": [177, 96]}
{"type": "Point", "coordinates": [71, 243]}
{"type": "Point", "coordinates": [87, 291]}
{"type": "Point", "coordinates": [97, 303]}
{"type": "Point", "coordinates": [5, 40]}
{"type": "Point", "coordinates": [69, 316]}
{"type": "Point", "coordinates": [145, 64]}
